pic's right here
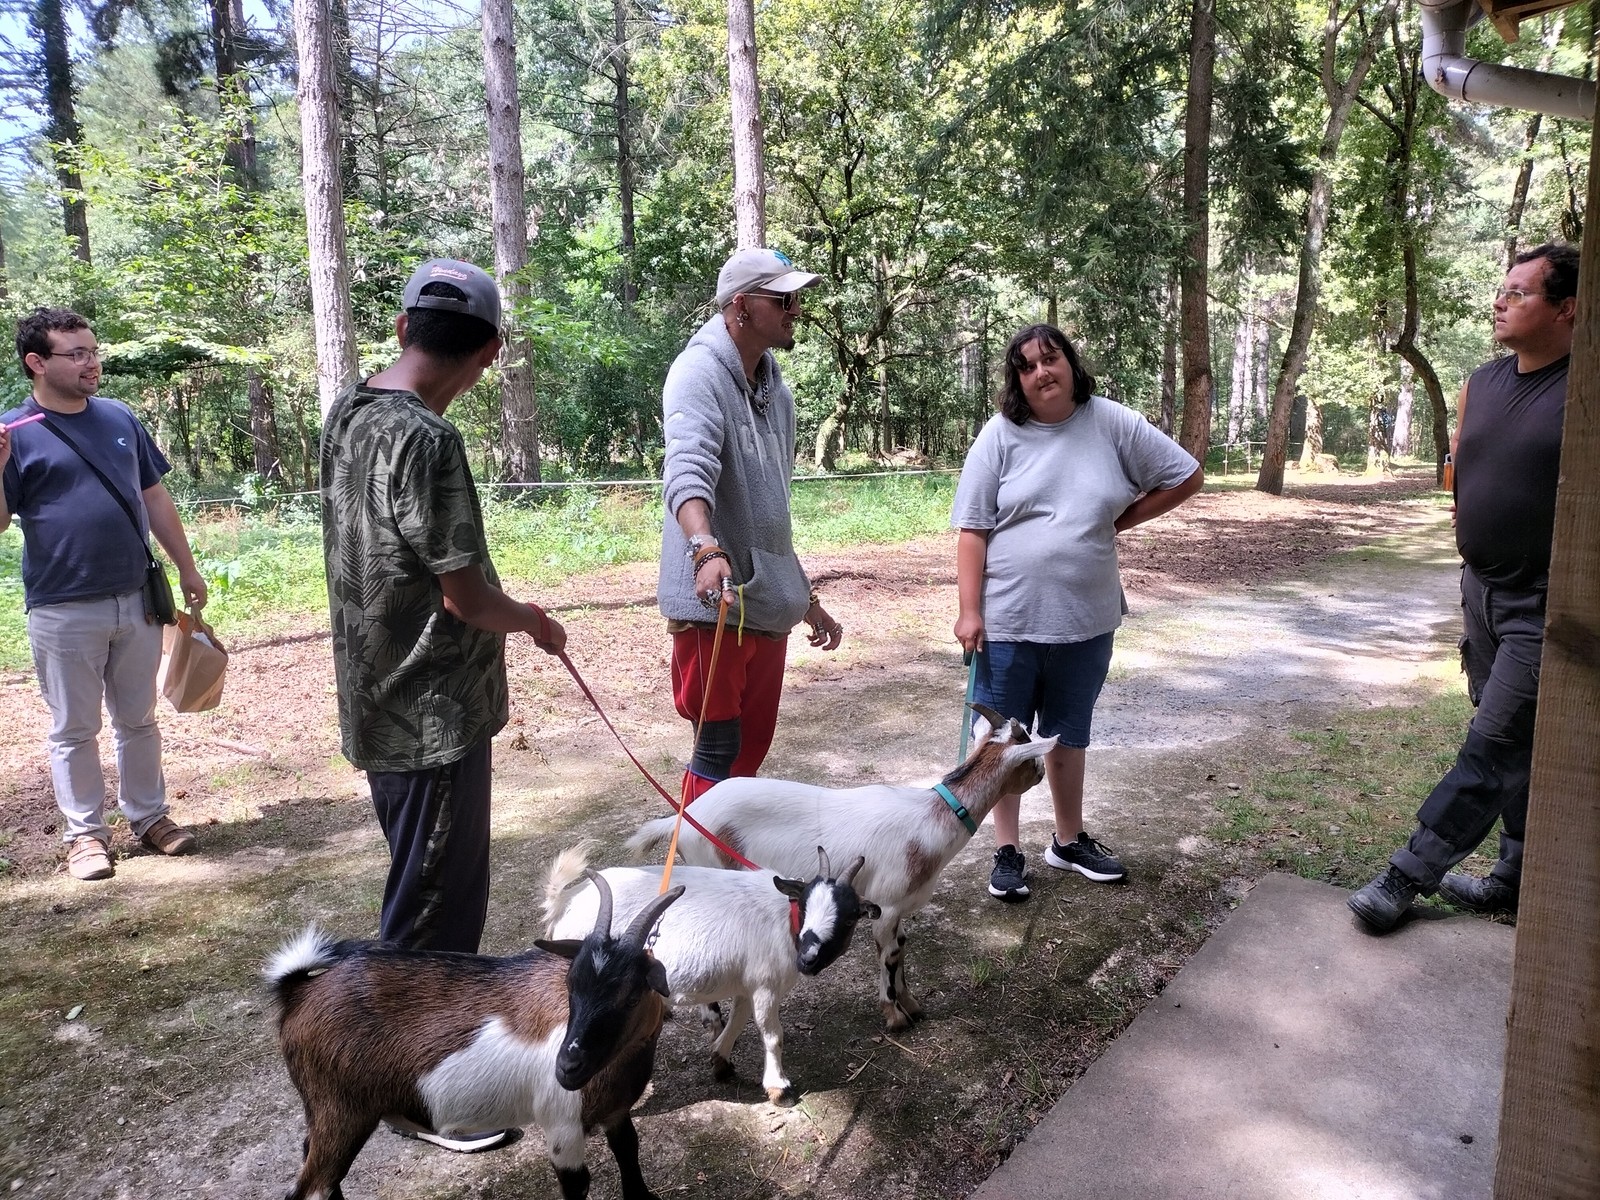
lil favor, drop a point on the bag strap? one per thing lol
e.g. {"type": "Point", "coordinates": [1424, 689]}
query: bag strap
{"type": "Point", "coordinates": [109, 486]}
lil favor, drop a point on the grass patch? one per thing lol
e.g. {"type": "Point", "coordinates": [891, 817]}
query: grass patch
{"type": "Point", "coordinates": [1336, 811]}
{"type": "Point", "coordinates": [264, 571]}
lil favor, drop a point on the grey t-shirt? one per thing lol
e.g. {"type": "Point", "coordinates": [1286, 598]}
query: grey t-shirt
{"type": "Point", "coordinates": [1048, 495]}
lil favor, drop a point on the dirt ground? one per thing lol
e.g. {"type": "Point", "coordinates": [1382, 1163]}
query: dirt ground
{"type": "Point", "coordinates": [137, 1051]}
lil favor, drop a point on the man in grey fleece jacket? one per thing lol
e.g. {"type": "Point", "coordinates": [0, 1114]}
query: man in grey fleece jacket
{"type": "Point", "coordinates": [730, 433]}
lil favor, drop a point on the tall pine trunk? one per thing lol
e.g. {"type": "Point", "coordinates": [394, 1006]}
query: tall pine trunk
{"type": "Point", "coordinates": [1197, 383]}
{"type": "Point", "coordinates": [62, 127]}
{"type": "Point", "coordinates": [519, 410]}
{"type": "Point", "coordinates": [749, 148]}
{"type": "Point", "coordinates": [324, 200]}
{"type": "Point", "coordinates": [227, 20]}
{"type": "Point", "coordinates": [625, 175]}
{"type": "Point", "coordinates": [1341, 98]}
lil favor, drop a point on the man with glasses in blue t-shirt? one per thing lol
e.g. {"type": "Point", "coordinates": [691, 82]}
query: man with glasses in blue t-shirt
{"type": "Point", "coordinates": [83, 574]}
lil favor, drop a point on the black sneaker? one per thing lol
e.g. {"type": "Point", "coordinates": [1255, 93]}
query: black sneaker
{"type": "Point", "coordinates": [1008, 879]}
{"type": "Point", "coordinates": [1490, 895]}
{"type": "Point", "coordinates": [1385, 900]}
{"type": "Point", "coordinates": [1089, 858]}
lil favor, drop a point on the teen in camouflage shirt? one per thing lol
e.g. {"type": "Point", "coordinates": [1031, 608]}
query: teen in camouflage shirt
{"type": "Point", "coordinates": [417, 611]}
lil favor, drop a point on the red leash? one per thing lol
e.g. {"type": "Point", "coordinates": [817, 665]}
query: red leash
{"type": "Point", "coordinates": [680, 807]}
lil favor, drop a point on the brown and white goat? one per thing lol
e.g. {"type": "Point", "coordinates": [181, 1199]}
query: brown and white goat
{"type": "Point", "coordinates": [906, 834]}
{"type": "Point", "coordinates": [562, 1036]}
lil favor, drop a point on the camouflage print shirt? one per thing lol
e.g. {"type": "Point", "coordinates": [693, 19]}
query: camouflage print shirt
{"type": "Point", "coordinates": [417, 687]}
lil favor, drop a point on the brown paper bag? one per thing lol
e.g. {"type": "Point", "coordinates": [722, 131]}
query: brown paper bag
{"type": "Point", "coordinates": [193, 664]}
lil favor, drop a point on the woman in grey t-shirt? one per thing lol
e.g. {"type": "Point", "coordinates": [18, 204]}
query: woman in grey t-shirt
{"type": "Point", "coordinates": [1048, 484]}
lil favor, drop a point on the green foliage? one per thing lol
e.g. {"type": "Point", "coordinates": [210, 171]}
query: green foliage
{"type": "Point", "coordinates": [952, 173]}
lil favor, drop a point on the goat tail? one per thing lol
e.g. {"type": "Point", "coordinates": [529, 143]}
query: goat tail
{"type": "Point", "coordinates": [650, 843]}
{"type": "Point", "coordinates": [567, 870]}
{"type": "Point", "coordinates": [303, 956]}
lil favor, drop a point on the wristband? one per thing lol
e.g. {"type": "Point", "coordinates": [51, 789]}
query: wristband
{"type": "Point", "coordinates": [711, 555]}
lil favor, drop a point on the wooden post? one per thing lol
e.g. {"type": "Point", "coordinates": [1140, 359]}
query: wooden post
{"type": "Point", "coordinates": [1550, 1107]}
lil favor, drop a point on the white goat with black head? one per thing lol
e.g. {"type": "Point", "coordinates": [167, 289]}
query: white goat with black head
{"type": "Point", "coordinates": [745, 935]}
{"type": "Point", "coordinates": [562, 1036]}
{"type": "Point", "coordinates": [906, 834]}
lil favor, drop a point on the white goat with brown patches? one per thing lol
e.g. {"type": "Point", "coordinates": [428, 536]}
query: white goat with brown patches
{"type": "Point", "coordinates": [563, 1036]}
{"type": "Point", "coordinates": [906, 834]}
{"type": "Point", "coordinates": [747, 936]}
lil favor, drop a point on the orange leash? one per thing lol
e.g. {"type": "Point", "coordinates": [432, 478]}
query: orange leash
{"type": "Point", "coordinates": [705, 701]}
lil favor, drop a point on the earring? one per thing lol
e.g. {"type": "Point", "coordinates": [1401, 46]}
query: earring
{"type": "Point", "coordinates": [744, 319]}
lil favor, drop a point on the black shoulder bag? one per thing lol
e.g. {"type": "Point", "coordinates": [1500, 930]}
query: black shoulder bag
{"type": "Point", "coordinates": [159, 606]}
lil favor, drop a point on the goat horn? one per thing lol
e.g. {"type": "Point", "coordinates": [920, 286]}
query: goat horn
{"type": "Point", "coordinates": [850, 871]}
{"type": "Point", "coordinates": [645, 921]}
{"type": "Point", "coordinates": [988, 714]}
{"type": "Point", "coordinates": [602, 920]}
{"type": "Point", "coordinates": [823, 867]}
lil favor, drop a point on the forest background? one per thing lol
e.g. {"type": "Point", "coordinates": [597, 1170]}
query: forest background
{"type": "Point", "coordinates": [953, 169]}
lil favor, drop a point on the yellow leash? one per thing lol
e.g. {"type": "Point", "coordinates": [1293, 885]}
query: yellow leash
{"type": "Point", "coordinates": [705, 701]}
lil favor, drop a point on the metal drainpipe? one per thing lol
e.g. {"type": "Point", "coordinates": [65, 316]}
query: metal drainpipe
{"type": "Point", "coordinates": [1451, 73]}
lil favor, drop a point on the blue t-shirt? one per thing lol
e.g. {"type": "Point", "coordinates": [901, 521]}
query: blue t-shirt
{"type": "Point", "coordinates": [77, 543]}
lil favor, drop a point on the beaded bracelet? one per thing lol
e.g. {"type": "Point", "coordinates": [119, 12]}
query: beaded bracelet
{"type": "Point", "coordinates": [711, 555]}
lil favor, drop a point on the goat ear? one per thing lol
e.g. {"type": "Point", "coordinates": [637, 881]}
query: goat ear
{"type": "Point", "coordinates": [870, 910]}
{"type": "Point", "coordinates": [563, 948]}
{"type": "Point", "coordinates": [792, 888]}
{"type": "Point", "coordinates": [656, 977]}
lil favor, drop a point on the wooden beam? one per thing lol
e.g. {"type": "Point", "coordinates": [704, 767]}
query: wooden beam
{"type": "Point", "coordinates": [1550, 1107]}
{"type": "Point", "coordinates": [1505, 15]}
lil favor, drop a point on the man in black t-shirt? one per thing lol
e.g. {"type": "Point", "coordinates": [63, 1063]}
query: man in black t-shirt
{"type": "Point", "coordinates": [1507, 454]}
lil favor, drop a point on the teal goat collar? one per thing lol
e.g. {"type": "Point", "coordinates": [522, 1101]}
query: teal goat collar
{"type": "Point", "coordinates": [956, 807]}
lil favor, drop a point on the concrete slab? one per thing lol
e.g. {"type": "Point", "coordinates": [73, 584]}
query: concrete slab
{"type": "Point", "coordinates": [1294, 1057]}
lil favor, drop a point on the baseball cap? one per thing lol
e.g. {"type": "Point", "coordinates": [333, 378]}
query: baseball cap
{"type": "Point", "coordinates": [768, 270]}
{"type": "Point", "coordinates": [483, 297]}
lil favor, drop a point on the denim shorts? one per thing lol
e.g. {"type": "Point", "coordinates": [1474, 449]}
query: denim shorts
{"type": "Point", "coordinates": [1056, 682]}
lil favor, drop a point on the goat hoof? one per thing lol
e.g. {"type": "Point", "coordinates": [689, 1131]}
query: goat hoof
{"type": "Point", "coordinates": [784, 1097]}
{"type": "Point", "coordinates": [721, 1068]}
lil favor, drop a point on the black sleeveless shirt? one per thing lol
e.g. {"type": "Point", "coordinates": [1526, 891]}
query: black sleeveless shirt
{"type": "Point", "coordinates": [1508, 459]}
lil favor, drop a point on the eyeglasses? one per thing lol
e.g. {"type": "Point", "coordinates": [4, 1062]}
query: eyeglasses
{"type": "Point", "coordinates": [1515, 296]}
{"type": "Point", "coordinates": [79, 356]}
{"type": "Point", "coordinates": [788, 301]}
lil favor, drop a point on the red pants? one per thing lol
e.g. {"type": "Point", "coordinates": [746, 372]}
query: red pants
{"type": "Point", "coordinates": [748, 684]}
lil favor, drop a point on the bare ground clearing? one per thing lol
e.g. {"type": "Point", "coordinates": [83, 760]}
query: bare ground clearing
{"type": "Point", "coordinates": [167, 1080]}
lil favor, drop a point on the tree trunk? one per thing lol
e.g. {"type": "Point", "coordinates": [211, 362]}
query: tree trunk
{"type": "Point", "coordinates": [1311, 448]}
{"type": "Point", "coordinates": [625, 174]}
{"type": "Point", "coordinates": [1519, 191]}
{"type": "Point", "coordinates": [1404, 400]}
{"type": "Point", "coordinates": [519, 410]}
{"type": "Point", "coordinates": [5, 286]}
{"type": "Point", "coordinates": [263, 428]}
{"type": "Point", "coordinates": [62, 127]}
{"type": "Point", "coordinates": [1410, 250]}
{"type": "Point", "coordinates": [1169, 360]}
{"type": "Point", "coordinates": [1244, 343]}
{"type": "Point", "coordinates": [324, 199]}
{"type": "Point", "coordinates": [749, 150]}
{"type": "Point", "coordinates": [1341, 99]}
{"type": "Point", "coordinates": [1197, 382]}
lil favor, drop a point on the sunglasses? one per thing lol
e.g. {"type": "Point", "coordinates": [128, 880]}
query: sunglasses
{"type": "Point", "coordinates": [788, 301]}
